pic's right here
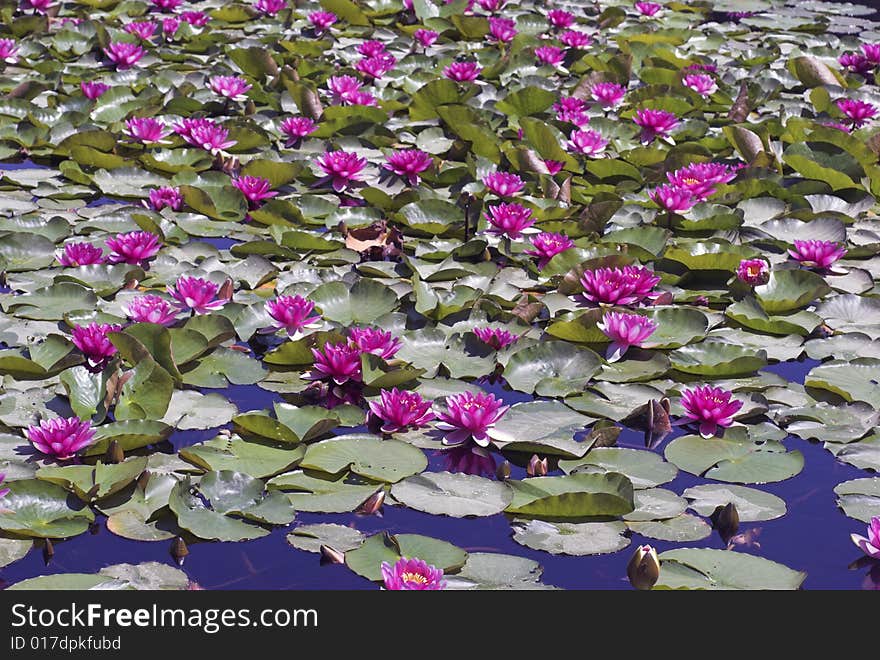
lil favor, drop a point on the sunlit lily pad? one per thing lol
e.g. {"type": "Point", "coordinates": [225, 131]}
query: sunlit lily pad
{"type": "Point", "coordinates": [592, 538]}
{"type": "Point", "coordinates": [456, 495]}
{"type": "Point", "coordinates": [702, 568]}
{"type": "Point", "coordinates": [751, 504]}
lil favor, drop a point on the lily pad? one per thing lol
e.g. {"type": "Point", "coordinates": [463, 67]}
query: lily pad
{"type": "Point", "coordinates": [456, 495]}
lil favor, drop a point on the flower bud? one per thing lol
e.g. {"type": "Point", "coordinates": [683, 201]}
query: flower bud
{"type": "Point", "coordinates": [373, 503]}
{"type": "Point", "coordinates": [537, 467]}
{"type": "Point", "coordinates": [331, 555]}
{"type": "Point", "coordinates": [502, 472]}
{"type": "Point", "coordinates": [179, 550]}
{"type": "Point", "coordinates": [726, 520]}
{"type": "Point", "coordinates": [643, 569]}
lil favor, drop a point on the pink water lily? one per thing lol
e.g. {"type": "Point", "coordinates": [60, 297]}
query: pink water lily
{"type": "Point", "coordinates": [123, 54]}
{"type": "Point", "coordinates": [230, 87]}
{"type": "Point", "coordinates": [142, 29]}
{"type": "Point", "coordinates": [855, 62]}
{"type": "Point", "coordinates": [95, 345]}
{"type": "Point", "coordinates": [293, 314]}
{"type": "Point", "coordinates": [409, 163]}
{"type": "Point", "coordinates": [753, 271]}
{"type": "Point", "coordinates": [169, 27]}
{"type": "Point", "coordinates": [858, 112]}
{"type": "Point", "coordinates": [426, 38]}
{"type": "Point", "coordinates": [9, 51]}
{"type": "Point", "coordinates": [547, 245]}
{"type": "Point", "coordinates": [648, 8]}
{"type": "Point", "coordinates": [376, 341]}
{"type": "Point", "coordinates": [211, 137]}
{"type": "Point", "coordinates": [255, 189]}
{"type": "Point", "coordinates": [195, 18]}
{"type": "Point", "coordinates": [501, 30]}
{"type": "Point", "coordinates": [296, 128]}
{"type": "Point", "coordinates": [134, 248]}
{"type": "Point", "coordinates": [559, 18]}
{"type": "Point", "coordinates": [870, 545]}
{"type": "Point", "coordinates": [38, 6]}
{"type": "Point", "coordinates": [93, 89]}
{"type": "Point", "coordinates": [150, 309]}
{"type": "Point", "coordinates": [625, 330]}
{"type": "Point", "coordinates": [816, 254]}
{"type": "Point", "coordinates": [462, 71]}
{"type": "Point", "coordinates": [553, 166]}
{"type": "Point", "coordinates": [503, 184]}
{"type": "Point", "coordinates": [61, 438]}
{"type": "Point", "coordinates": [871, 52]}
{"type": "Point", "coordinates": [673, 199]}
{"type": "Point", "coordinates": [80, 254]}
{"type": "Point", "coordinates": [270, 7]}
{"type": "Point", "coordinates": [376, 66]}
{"type": "Point", "coordinates": [343, 88]}
{"type": "Point", "coordinates": [147, 130]}
{"type": "Point", "coordinates": [552, 55]}
{"type": "Point", "coordinates": [412, 575]}
{"type": "Point", "coordinates": [655, 123]}
{"type": "Point", "coordinates": [342, 167]}
{"type": "Point", "coordinates": [322, 20]}
{"type": "Point", "coordinates": [167, 196]}
{"type": "Point", "coordinates": [510, 220]}
{"type": "Point", "coordinates": [588, 143]}
{"type": "Point", "coordinates": [470, 416]}
{"type": "Point", "coordinates": [575, 39]}
{"type": "Point", "coordinates": [497, 338]}
{"type": "Point", "coordinates": [700, 83]}
{"type": "Point", "coordinates": [166, 5]}
{"type": "Point", "coordinates": [197, 294]}
{"type": "Point", "coordinates": [371, 48]}
{"type": "Point", "coordinates": [608, 94]}
{"type": "Point", "coordinates": [571, 109]}
{"type": "Point", "coordinates": [712, 407]}
{"type": "Point", "coordinates": [400, 410]}
{"type": "Point", "coordinates": [701, 178]}
{"type": "Point", "coordinates": [491, 6]}
{"type": "Point", "coordinates": [339, 363]}
{"type": "Point", "coordinates": [628, 285]}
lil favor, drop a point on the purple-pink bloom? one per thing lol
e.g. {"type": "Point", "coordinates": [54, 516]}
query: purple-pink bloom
{"type": "Point", "coordinates": [270, 7]}
{"type": "Point", "coordinates": [94, 344]}
{"type": "Point", "coordinates": [93, 89]}
{"type": "Point", "coordinates": [376, 341]}
{"type": "Point", "coordinates": [231, 87]}
{"type": "Point", "coordinates": [628, 285]}
{"type": "Point", "coordinates": [608, 94]}
{"type": "Point", "coordinates": [560, 18]}
{"type": "Point", "coordinates": [552, 55]}
{"type": "Point", "coordinates": [195, 18]}
{"type": "Point", "coordinates": [547, 245]}
{"type": "Point", "coordinates": [197, 294]}
{"type": "Point", "coordinates": [673, 199]}
{"type": "Point", "coordinates": [654, 123]}
{"type": "Point", "coordinates": [371, 48]}
{"type": "Point", "coordinates": [293, 314]}
{"type": "Point", "coordinates": [255, 189]}
{"type": "Point", "coordinates": [510, 220]}
{"type": "Point", "coordinates": [169, 27]}
{"type": "Point", "coordinates": [855, 62]}
{"type": "Point", "coordinates": [166, 5]}
{"type": "Point", "coordinates": [553, 166]}
{"type": "Point", "coordinates": [409, 163]}
{"type": "Point", "coordinates": [589, 142]}
{"type": "Point", "coordinates": [870, 545]}
{"type": "Point", "coordinates": [296, 128]}
{"type": "Point", "coordinates": [150, 309]}
{"type": "Point", "coordinates": [135, 247]}
{"type": "Point", "coordinates": [840, 127]}
{"type": "Point", "coordinates": [462, 71]}
{"type": "Point", "coordinates": [343, 87]}
{"type": "Point", "coordinates": [322, 20]}
{"type": "Point", "coordinates": [497, 338]}
{"type": "Point", "coordinates": [470, 416]}
{"type": "Point", "coordinates": [426, 38]}
{"type": "Point", "coordinates": [377, 65]}
{"type": "Point", "coordinates": [39, 7]}
{"type": "Point", "coordinates": [142, 29]}
{"type": "Point", "coordinates": [80, 254]}
{"type": "Point", "coordinates": [9, 51]}
{"type": "Point", "coordinates": [575, 39]}
{"type": "Point", "coordinates": [701, 178]}
{"type": "Point", "coordinates": [61, 437]}
{"type": "Point", "coordinates": [205, 134]}
{"type": "Point", "coordinates": [816, 254]}
{"type": "Point", "coordinates": [123, 54]}
{"type": "Point", "coordinates": [571, 109]}
{"type": "Point", "coordinates": [701, 83]}
{"type": "Point", "coordinates": [343, 168]}
{"type": "Point", "coordinates": [146, 130]}
{"type": "Point", "coordinates": [872, 53]}
{"type": "Point", "coordinates": [753, 271]}
{"type": "Point", "coordinates": [491, 5]}
{"type": "Point", "coordinates": [340, 363]}
{"type": "Point", "coordinates": [400, 411]}
{"type": "Point", "coordinates": [503, 184]}
{"type": "Point", "coordinates": [648, 8]}
{"type": "Point", "coordinates": [412, 575]}
{"type": "Point", "coordinates": [167, 196]}
{"type": "Point", "coordinates": [625, 330]}
{"type": "Point", "coordinates": [859, 112]}
{"type": "Point", "coordinates": [711, 407]}
{"type": "Point", "coordinates": [502, 30]}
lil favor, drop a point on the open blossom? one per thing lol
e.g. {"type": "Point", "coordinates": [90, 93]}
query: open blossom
{"type": "Point", "coordinates": [701, 83]}
{"type": "Point", "coordinates": [462, 71]}
{"type": "Point", "coordinates": [322, 20]}
{"type": "Point", "coordinates": [425, 37]}
{"type": "Point", "coordinates": [511, 220]}
{"type": "Point", "coordinates": [377, 65]}
{"type": "Point", "coordinates": [270, 7]}
{"type": "Point", "coordinates": [167, 196]}
{"type": "Point", "coordinates": [39, 6]}
{"type": "Point", "coordinates": [560, 18]}
{"type": "Point", "coordinates": [552, 55]}
{"type": "Point", "coordinates": [80, 254]}
{"type": "Point", "coordinates": [340, 363]}
{"type": "Point", "coordinates": [255, 189]}
{"type": "Point", "coordinates": [575, 39]}
{"type": "Point", "coordinates": [296, 128]}
{"type": "Point", "coordinates": [150, 309]}
{"type": "Point", "coordinates": [816, 254]}
{"type": "Point", "coordinates": [343, 167]}
{"type": "Point", "coordinates": [701, 178]}
{"type": "Point", "coordinates": [753, 271]}
{"type": "Point", "coordinates": [195, 18]}
{"type": "Point", "coordinates": [209, 136]}
{"type": "Point", "coordinates": [654, 123]}
{"type": "Point", "coordinates": [93, 89]}
{"type": "Point", "coordinates": [8, 51]}
{"type": "Point", "coordinates": [400, 411]}
{"type": "Point", "coordinates": [135, 247]}
{"type": "Point", "coordinates": [166, 5]}
{"type": "Point", "coordinates": [123, 54]}
{"type": "Point", "coordinates": [855, 62]}
{"type": "Point", "coordinates": [470, 416]}
{"type": "Point", "coordinates": [871, 52]}
{"type": "Point", "coordinates": [625, 330]}
{"type": "Point", "coordinates": [673, 199]}
{"type": "Point", "coordinates": [142, 29]}
{"type": "Point", "coordinates": [870, 545]}
{"type": "Point", "coordinates": [376, 341]}
{"type": "Point", "coordinates": [94, 344]}
{"type": "Point", "coordinates": [491, 5]}
{"type": "Point", "coordinates": [146, 130]}
{"type": "Point", "coordinates": [169, 27]}
{"type": "Point", "coordinates": [553, 166]}
{"type": "Point", "coordinates": [608, 94]}
{"type": "Point", "coordinates": [859, 112]}
{"type": "Point", "coordinates": [409, 163]}
{"type": "Point", "coordinates": [371, 48]}
{"type": "Point", "coordinates": [231, 87]}
{"type": "Point", "coordinates": [502, 30]}
{"type": "Point", "coordinates": [589, 143]}
{"type": "Point", "coordinates": [497, 338]}
{"type": "Point", "coordinates": [197, 294]}
{"type": "Point", "coordinates": [342, 87]}
{"type": "Point", "coordinates": [547, 245]}
{"type": "Point", "coordinates": [412, 575]}
{"type": "Point", "coordinates": [619, 286]}
{"type": "Point", "coordinates": [503, 184]}
{"type": "Point", "coordinates": [62, 437]}
{"type": "Point", "coordinates": [293, 314]}
{"type": "Point", "coordinates": [711, 407]}
{"type": "Point", "coordinates": [571, 109]}
{"type": "Point", "coordinates": [648, 8]}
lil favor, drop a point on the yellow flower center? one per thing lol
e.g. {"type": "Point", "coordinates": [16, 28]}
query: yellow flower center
{"type": "Point", "coordinates": [414, 577]}
{"type": "Point", "coordinates": [691, 181]}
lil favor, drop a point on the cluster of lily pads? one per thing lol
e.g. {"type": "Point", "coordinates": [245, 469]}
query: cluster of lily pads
{"type": "Point", "coordinates": [386, 216]}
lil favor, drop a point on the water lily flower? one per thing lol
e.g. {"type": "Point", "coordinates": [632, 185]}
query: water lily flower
{"type": "Point", "coordinates": [169, 27]}
{"type": "Point", "coordinates": [376, 341]}
{"type": "Point", "coordinates": [93, 89]}
{"type": "Point", "coordinates": [376, 66]}
{"type": "Point", "coordinates": [339, 363]}
{"type": "Point", "coordinates": [491, 5]}
{"type": "Point", "coordinates": [293, 314]}
{"type": "Point", "coordinates": [147, 130]}
{"type": "Point", "coordinates": [166, 5]}
{"type": "Point", "coordinates": [588, 143]}
{"type": "Point", "coordinates": [362, 98]}
{"type": "Point", "coordinates": [469, 459]}
{"type": "Point", "coordinates": [412, 574]}
{"type": "Point", "coordinates": [840, 127]}
{"type": "Point", "coordinates": [628, 285]}
{"type": "Point", "coordinates": [871, 52]}
{"type": "Point", "coordinates": [502, 30]}
{"type": "Point", "coordinates": [859, 112]}
{"type": "Point", "coordinates": [510, 220]}
{"type": "Point", "coordinates": [426, 38]}
{"type": "Point", "coordinates": [547, 245]}
{"type": "Point", "coordinates": [231, 87]}
{"type": "Point", "coordinates": [9, 51]}
{"type": "Point", "coordinates": [150, 309]}
{"type": "Point", "coordinates": [625, 330]}
{"type": "Point", "coordinates": [648, 8]}
{"type": "Point", "coordinates": [195, 18]}
{"type": "Point", "coordinates": [142, 29]}
{"type": "Point", "coordinates": [167, 196]}
{"type": "Point", "coordinates": [254, 188]}
{"type": "Point", "coordinates": [701, 83]}
{"type": "Point", "coordinates": [655, 123]}
{"type": "Point", "coordinates": [322, 20]}
{"type": "Point", "coordinates": [552, 55]}
{"type": "Point", "coordinates": [210, 136]}
{"type": "Point", "coordinates": [296, 128]}
{"type": "Point", "coordinates": [80, 254]}
{"type": "Point", "coordinates": [94, 344]}
{"type": "Point", "coordinates": [711, 407]}
{"type": "Point", "coordinates": [371, 48]}
{"type": "Point", "coordinates": [462, 71]}
{"type": "Point", "coordinates": [560, 18]}
{"type": "Point", "coordinates": [701, 178]}
{"type": "Point", "coordinates": [270, 7]}
{"type": "Point", "coordinates": [816, 254]}
{"type": "Point", "coordinates": [342, 87]}
{"type": "Point", "coordinates": [62, 437]}
{"type": "Point", "coordinates": [497, 338]}
{"type": "Point", "coordinates": [470, 416]}
{"type": "Point", "coordinates": [408, 163]}
{"type": "Point", "coordinates": [575, 39]}
{"type": "Point", "coordinates": [400, 411]}
{"type": "Point", "coordinates": [870, 545]}
{"type": "Point", "coordinates": [135, 247]}
{"type": "Point", "coordinates": [608, 94]}
{"type": "Point", "coordinates": [673, 199]}
{"type": "Point", "coordinates": [855, 62]}
{"type": "Point", "coordinates": [643, 568]}
{"type": "Point", "coordinates": [342, 167]}
{"type": "Point", "coordinates": [503, 184]}
{"type": "Point", "coordinates": [3, 491]}
{"type": "Point", "coordinates": [123, 54]}
{"type": "Point", "coordinates": [38, 6]}
{"type": "Point", "coordinates": [196, 294]}
{"type": "Point", "coordinates": [553, 166]}
{"type": "Point", "coordinates": [571, 109]}
{"type": "Point", "coordinates": [753, 271]}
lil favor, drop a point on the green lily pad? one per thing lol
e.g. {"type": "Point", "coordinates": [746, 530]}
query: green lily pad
{"type": "Point", "coordinates": [579, 539]}
{"type": "Point", "coordinates": [311, 537]}
{"type": "Point", "coordinates": [573, 496]}
{"type": "Point", "coordinates": [644, 469]}
{"type": "Point", "coordinates": [43, 510]}
{"type": "Point", "coordinates": [456, 495]}
{"type": "Point", "coordinates": [368, 456]}
{"type": "Point", "coordinates": [703, 568]}
{"type": "Point", "coordinates": [752, 504]}
{"type": "Point", "coordinates": [859, 498]}
{"type": "Point", "coordinates": [367, 560]}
